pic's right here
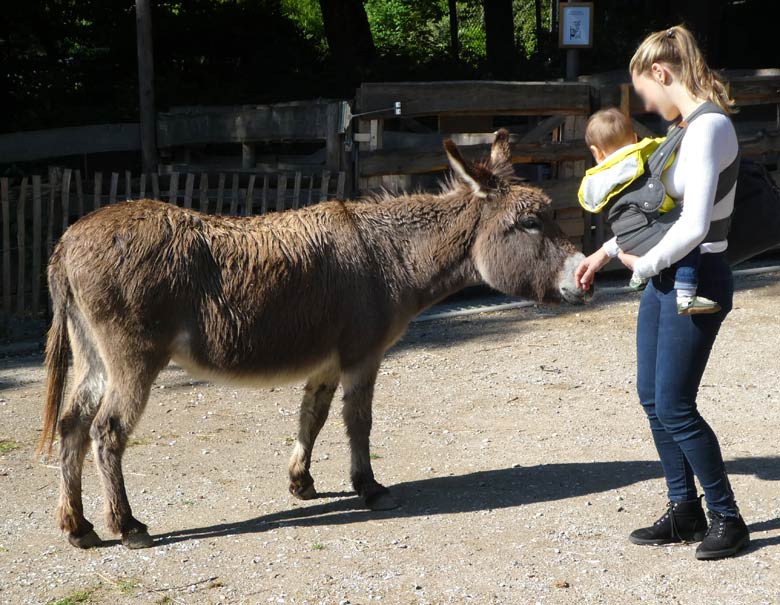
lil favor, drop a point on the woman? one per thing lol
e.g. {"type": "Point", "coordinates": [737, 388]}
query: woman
{"type": "Point", "coordinates": [670, 74]}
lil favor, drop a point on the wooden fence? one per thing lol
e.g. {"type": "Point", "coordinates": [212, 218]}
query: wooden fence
{"type": "Point", "coordinates": [35, 211]}
{"type": "Point", "coordinates": [556, 112]}
{"type": "Point", "coordinates": [394, 151]}
{"type": "Point", "coordinates": [184, 134]}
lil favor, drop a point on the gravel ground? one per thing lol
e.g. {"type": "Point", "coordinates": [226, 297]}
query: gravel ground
{"type": "Point", "coordinates": [514, 440]}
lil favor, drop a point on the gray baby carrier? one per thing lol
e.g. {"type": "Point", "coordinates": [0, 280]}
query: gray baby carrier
{"type": "Point", "coordinates": [635, 216]}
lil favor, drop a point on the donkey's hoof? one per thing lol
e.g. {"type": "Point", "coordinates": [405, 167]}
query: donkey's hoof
{"type": "Point", "coordinates": [137, 540]}
{"type": "Point", "coordinates": [87, 540]}
{"type": "Point", "coordinates": [303, 492]}
{"type": "Point", "coordinates": [381, 501]}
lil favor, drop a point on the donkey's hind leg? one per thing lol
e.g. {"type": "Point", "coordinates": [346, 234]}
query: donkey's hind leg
{"type": "Point", "coordinates": [129, 381]}
{"type": "Point", "coordinates": [74, 426]}
{"type": "Point", "coordinates": [358, 386]}
{"type": "Point", "coordinates": [317, 398]}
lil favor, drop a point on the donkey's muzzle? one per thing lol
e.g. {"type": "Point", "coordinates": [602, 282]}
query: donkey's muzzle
{"type": "Point", "coordinates": [568, 288]}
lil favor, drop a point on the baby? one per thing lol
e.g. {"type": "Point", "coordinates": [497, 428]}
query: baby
{"type": "Point", "coordinates": [613, 143]}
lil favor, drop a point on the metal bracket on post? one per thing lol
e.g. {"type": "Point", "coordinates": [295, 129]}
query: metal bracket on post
{"type": "Point", "coordinates": [348, 116]}
{"type": "Point", "coordinates": [365, 137]}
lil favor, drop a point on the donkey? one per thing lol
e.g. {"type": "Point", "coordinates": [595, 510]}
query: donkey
{"type": "Point", "coordinates": [318, 293]}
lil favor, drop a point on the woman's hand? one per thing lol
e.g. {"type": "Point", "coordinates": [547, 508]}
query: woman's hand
{"type": "Point", "coordinates": [589, 266]}
{"type": "Point", "coordinates": [629, 260]}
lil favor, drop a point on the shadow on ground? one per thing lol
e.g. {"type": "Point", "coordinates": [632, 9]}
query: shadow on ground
{"type": "Point", "coordinates": [478, 491]}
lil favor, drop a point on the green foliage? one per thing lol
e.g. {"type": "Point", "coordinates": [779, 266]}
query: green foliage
{"type": "Point", "coordinates": [8, 446]}
{"type": "Point", "coordinates": [306, 14]}
{"type": "Point", "coordinates": [408, 28]}
{"type": "Point", "coordinates": [127, 585]}
{"type": "Point", "coordinates": [81, 596]}
{"type": "Point", "coordinates": [69, 62]}
{"type": "Point", "coordinates": [525, 25]}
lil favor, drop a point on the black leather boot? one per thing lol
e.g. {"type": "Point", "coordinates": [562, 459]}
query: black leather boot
{"type": "Point", "coordinates": [725, 537]}
{"type": "Point", "coordinates": [683, 522]}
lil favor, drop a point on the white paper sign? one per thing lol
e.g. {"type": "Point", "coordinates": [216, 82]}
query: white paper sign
{"type": "Point", "coordinates": [575, 25]}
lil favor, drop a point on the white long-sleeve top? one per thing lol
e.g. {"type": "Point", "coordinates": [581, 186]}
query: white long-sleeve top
{"type": "Point", "coordinates": [709, 145]}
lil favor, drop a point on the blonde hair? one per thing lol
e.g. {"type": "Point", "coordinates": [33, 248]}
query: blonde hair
{"type": "Point", "coordinates": [609, 129]}
{"type": "Point", "coordinates": [677, 49]}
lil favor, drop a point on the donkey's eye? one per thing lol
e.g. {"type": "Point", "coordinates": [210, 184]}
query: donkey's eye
{"type": "Point", "coordinates": [530, 223]}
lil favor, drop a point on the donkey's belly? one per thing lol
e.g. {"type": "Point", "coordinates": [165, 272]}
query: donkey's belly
{"type": "Point", "coordinates": [248, 374]}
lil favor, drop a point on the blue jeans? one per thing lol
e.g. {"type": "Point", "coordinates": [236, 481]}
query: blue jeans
{"type": "Point", "coordinates": [672, 352]}
{"type": "Point", "coordinates": [686, 277]}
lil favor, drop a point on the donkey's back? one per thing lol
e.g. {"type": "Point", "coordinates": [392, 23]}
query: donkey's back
{"type": "Point", "coordinates": [260, 298]}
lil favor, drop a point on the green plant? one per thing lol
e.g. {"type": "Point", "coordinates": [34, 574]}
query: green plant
{"type": "Point", "coordinates": [127, 585]}
{"type": "Point", "coordinates": [8, 446]}
{"type": "Point", "coordinates": [80, 596]}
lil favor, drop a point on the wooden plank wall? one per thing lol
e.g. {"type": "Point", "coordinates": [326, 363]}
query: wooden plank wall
{"type": "Point", "coordinates": [387, 158]}
{"type": "Point", "coordinates": [557, 139]}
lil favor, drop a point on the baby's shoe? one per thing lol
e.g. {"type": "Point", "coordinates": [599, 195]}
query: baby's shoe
{"type": "Point", "coordinates": [637, 283]}
{"type": "Point", "coordinates": [695, 305]}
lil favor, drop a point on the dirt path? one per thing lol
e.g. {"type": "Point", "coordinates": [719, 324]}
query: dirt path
{"type": "Point", "coordinates": [514, 439]}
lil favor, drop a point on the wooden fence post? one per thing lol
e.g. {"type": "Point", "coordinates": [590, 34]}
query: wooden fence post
{"type": "Point", "coordinates": [20, 246]}
{"type": "Point", "coordinates": [220, 192]}
{"type": "Point", "coordinates": [36, 263]}
{"type": "Point", "coordinates": [98, 191]}
{"type": "Point", "coordinates": [6, 203]}
{"type": "Point", "coordinates": [65, 198]}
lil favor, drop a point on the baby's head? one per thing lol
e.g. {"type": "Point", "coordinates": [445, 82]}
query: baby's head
{"type": "Point", "coordinates": [607, 131]}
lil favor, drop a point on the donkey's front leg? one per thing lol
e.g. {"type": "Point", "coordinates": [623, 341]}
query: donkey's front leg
{"type": "Point", "coordinates": [317, 398]}
{"type": "Point", "coordinates": [358, 386]}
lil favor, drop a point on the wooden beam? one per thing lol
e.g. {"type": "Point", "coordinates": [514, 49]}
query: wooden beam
{"type": "Point", "coordinates": [78, 140]}
{"type": "Point", "coordinates": [477, 97]}
{"type": "Point", "coordinates": [406, 161]}
{"type": "Point", "coordinates": [756, 90]}
{"type": "Point", "coordinates": [143, 20]}
{"type": "Point", "coordinates": [247, 155]}
{"type": "Point", "coordinates": [202, 125]}
{"type": "Point", "coordinates": [543, 129]}
{"type": "Point", "coordinates": [643, 131]}
{"type": "Point", "coordinates": [333, 139]}
{"type": "Point", "coordinates": [625, 99]}
{"type": "Point", "coordinates": [765, 142]}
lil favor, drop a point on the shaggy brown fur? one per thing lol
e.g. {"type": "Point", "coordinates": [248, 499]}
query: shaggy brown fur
{"type": "Point", "coordinates": [319, 293]}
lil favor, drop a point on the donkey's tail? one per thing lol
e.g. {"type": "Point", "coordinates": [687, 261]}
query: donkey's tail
{"type": "Point", "coordinates": [57, 348]}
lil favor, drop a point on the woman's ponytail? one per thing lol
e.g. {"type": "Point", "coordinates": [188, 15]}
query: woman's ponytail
{"type": "Point", "coordinates": [677, 49]}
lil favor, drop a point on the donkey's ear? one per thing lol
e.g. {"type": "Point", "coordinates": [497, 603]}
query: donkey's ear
{"type": "Point", "coordinates": [501, 152]}
{"type": "Point", "coordinates": [464, 170]}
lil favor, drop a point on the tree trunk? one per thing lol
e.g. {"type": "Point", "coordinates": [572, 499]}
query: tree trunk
{"type": "Point", "coordinates": [454, 44]}
{"type": "Point", "coordinates": [538, 13]}
{"type": "Point", "coordinates": [349, 35]}
{"type": "Point", "coordinates": [502, 57]}
{"type": "Point", "coordinates": [146, 85]}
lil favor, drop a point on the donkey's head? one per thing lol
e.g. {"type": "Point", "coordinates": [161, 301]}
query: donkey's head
{"type": "Point", "coordinates": [518, 248]}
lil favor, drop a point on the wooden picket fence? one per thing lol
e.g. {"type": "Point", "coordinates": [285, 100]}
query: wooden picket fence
{"type": "Point", "coordinates": [36, 211]}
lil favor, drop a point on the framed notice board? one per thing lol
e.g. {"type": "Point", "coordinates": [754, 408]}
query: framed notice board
{"type": "Point", "coordinates": [575, 25]}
